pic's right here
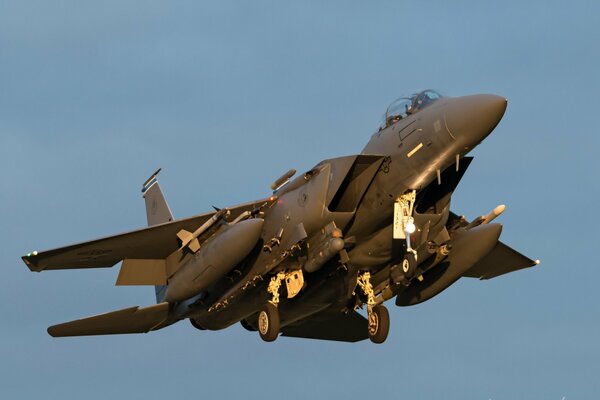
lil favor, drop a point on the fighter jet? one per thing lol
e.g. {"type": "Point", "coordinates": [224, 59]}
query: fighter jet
{"type": "Point", "coordinates": [324, 249]}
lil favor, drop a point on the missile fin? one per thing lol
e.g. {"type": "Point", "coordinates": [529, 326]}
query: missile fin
{"type": "Point", "coordinates": [194, 245]}
{"type": "Point", "coordinates": [185, 236]}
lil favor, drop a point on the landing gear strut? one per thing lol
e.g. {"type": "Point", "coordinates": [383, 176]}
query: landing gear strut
{"type": "Point", "coordinates": [378, 315]}
{"type": "Point", "coordinates": [268, 318]}
{"type": "Point", "coordinates": [404, 227]}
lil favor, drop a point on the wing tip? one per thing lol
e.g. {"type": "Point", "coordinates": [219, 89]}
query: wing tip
{"type": "Point", "coordinates": [52, 331]}
{"type": "Point", "coordinates": [31, 264]}
{"type": "Point", "coordinates": [532, 263]}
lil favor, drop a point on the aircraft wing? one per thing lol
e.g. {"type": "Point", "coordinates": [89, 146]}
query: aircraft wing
{"type": "Point", "coordinates": [330, 325]}
{"type": "Point", "coordinates": [501, 260]}
{"type": "Point", "coordinates": [127, 320]}
{"type": "Point", "coordinates": [155, 242]}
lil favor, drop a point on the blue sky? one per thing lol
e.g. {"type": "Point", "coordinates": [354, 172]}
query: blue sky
{"type": "Point", "coordinates": [225, 97]}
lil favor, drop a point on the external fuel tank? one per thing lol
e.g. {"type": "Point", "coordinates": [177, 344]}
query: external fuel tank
{"type": "Point", "coordinates": [219, 255]}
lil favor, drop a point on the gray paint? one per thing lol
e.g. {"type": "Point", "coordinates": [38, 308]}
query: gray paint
{"type": "Point", "coordinates": [228, 270]}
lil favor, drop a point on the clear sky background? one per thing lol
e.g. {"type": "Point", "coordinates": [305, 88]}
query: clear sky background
{"type": "Point", "coordinates": [94, 96]}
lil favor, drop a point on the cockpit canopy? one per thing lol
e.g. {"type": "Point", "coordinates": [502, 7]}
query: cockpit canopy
{"type": "Point", "coordinates": [405, 106]}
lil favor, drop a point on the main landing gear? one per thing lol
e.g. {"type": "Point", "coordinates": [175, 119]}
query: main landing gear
{"type": "Point", "coordinates": [268, 318]}
{"type": "Point", "coordinates": [378, 315]}
{"type": "Point", "coordinates": [268, 322]}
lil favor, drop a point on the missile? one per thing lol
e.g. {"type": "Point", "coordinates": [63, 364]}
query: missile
{"type": "Point", "coordinates": [190, 239]}
{"type": "Point", "coordinates": [486, 219]}
{"type": "Point", "coordinates": [219, 255]}
{"type": "Point", "coordinates": [496, 212]}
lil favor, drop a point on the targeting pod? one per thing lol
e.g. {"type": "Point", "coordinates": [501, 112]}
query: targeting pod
{"type": "Point", "coordinates": [323, 246]}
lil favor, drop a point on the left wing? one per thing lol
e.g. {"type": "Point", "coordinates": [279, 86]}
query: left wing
{"type": "Point", "coordinates": [501, 260]}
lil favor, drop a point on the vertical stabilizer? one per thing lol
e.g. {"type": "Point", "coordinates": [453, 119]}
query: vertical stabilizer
{"type": "Point", "coordinates": [157, 209]}
{"type": "Point", "coordinates": [157, 212]}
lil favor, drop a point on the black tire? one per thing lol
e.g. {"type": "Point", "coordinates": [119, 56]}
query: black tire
{"type": "Point", "coordinates": [268, 323]}
{"type": "Point", "coordinates": [409, 265]}
{"type": "Point", "coordinates": [379, 324]}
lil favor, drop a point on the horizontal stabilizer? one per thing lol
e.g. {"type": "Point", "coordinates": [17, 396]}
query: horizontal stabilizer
{"type": "Point", "coordinates": [330, 325]}
{"type": "Point", "coordinates": [501, 260]}
{"type": "Point", "coordinates": [127, 320]}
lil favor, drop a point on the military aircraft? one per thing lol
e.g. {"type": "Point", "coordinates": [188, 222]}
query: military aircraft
{"type": "Point", "coordinates": [351, 232]}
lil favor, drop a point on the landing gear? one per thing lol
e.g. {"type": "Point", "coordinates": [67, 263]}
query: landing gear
{"type": "Point", "coordinates": [404, 227]}
{"type": "Point", "coordinates": [268, 318]}
{"type": "Point", "coordinates": [378, 315]}
{"type": "Point", "coordinates": [379, 324]}
{"type": "Point", "coordinates": [268, 322]}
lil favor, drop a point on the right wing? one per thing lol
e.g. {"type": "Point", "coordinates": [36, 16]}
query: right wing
{"type": "Point", "coordinates": [155, 242]}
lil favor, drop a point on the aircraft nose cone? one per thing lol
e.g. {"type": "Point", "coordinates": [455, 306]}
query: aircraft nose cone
{"type": "Point", "coordinates": [470, 119]}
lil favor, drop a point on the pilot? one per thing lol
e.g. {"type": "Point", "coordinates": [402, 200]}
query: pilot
{"type": "Point", "coordinates": [393, 119]}
{"type": "Point", "coordinates": [422, 101]}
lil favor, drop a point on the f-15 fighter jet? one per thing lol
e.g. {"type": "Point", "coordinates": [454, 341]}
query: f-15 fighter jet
{"type": "Point", "coordinates": [349, 234]}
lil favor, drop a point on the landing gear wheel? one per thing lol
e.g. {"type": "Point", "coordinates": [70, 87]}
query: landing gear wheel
{"type": "Point", "coordinates": [379, 324]}
{"type": "Point", "coordinates": [409, 265]}
{"type": "Point", "coordinates": [268, 323]}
